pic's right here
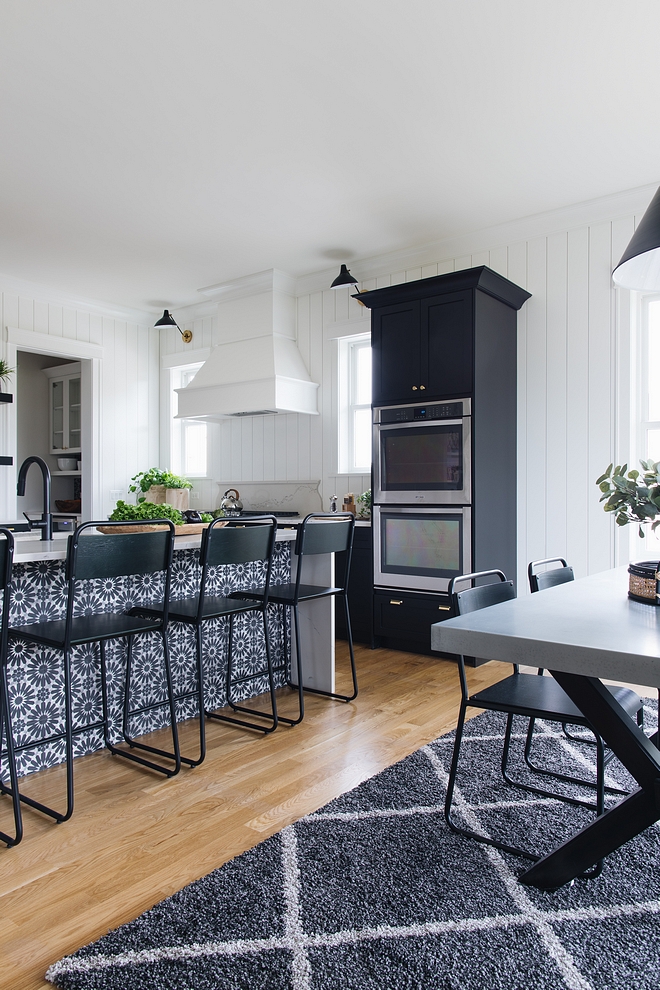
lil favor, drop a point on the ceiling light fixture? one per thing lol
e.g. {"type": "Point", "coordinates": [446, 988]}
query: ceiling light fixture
{"type": "Point", "coordinates": [167, 320]}
{"type": "Point", "coordinates": [639, 267]}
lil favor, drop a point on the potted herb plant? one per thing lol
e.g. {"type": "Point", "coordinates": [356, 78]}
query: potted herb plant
{"type": "Point", "coordinates": [364, 502]}
{"type": "Point", "coordinates": [161, 487]}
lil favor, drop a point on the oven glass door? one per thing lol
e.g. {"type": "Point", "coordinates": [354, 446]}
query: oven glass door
{"type": "Point", "coordinates": [423, 463]}
{"type": "Point", "coordinates": [421, 549]}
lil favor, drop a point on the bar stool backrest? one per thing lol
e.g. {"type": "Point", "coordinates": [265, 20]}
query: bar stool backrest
{"type": "Point", "coordinates": [326, 532]}
{"type": "Point", "coordinates": [91, 557]}
{"type": "Point", "coordinates": [236, 542]}
{"type": "Point", "coordinates": [551, 578]}
{"type": "Point", "coordinates": [6, 562]}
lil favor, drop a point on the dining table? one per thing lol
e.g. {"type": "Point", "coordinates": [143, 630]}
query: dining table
{"type": "Point", "coordinates": [582, 632]}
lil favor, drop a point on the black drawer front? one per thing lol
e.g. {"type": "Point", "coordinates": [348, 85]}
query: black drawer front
{"type": "Point", "coordinates": [408, 617]}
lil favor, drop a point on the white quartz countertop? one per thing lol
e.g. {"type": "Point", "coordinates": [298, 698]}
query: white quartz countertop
{"type": "Point", "coordinates": [29, 548]}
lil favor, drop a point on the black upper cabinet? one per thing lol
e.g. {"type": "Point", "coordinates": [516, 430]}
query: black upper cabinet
{"type": "Point", "coordinates": [396, 340]}
{"type": "Point", "coordinates": [423, 334]}
{"type": "Point", "coordinates": [422, 349]}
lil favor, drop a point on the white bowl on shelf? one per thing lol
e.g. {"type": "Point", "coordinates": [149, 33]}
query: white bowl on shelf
{"type": "Point", "coordinates": [67, 463]}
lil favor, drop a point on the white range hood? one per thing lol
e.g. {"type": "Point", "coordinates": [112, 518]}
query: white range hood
{"type": "Point", "coordinates": [256, 369]}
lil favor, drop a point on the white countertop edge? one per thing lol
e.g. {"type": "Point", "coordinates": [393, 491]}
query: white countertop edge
{"type": "Point", "coordinates": [32, 551]}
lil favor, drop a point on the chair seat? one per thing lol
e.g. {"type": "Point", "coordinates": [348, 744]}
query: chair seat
{"type": "Point", "coordinates": [542, 697]}
{"type": "Point", "coordinates": [85, 629]}
{"type": "Point", "coordinates": [185, 609]}
{"type": "Point", "coordinates": [285, 594]}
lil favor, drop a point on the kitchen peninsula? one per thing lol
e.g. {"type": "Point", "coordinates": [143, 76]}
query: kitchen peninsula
{"type": "Point", "coordinates": [35, 674]}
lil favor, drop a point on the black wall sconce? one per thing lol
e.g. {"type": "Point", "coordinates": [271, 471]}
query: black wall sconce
{"type": "Point", "coordinates": [167, 320]}
{"type": "Point", "coordinates": [345, 278]}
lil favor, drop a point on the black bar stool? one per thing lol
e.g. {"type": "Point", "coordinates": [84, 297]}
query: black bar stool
{"type": "Point", "coordinates": [6, 560]}
{"type": "Point", "coordinates": [320, 533]}
{"type": "Point", "coordinates": [91, 557]}
{"type": "Point", "coordinates": [228, 542]}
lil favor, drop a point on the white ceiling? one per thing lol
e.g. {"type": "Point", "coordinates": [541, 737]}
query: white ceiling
{"type": "Point", "coordinates": [152, 147]}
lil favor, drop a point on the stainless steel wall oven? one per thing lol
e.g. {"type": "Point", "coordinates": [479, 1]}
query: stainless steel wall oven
{"type": "Point", "coordinates": [422, 454]}
{"type": "Point", "coordinates": [421, 549]}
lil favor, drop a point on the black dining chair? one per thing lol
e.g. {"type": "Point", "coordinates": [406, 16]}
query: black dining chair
{"type": "Point", "coordinates": [233, 541]}
{"type": "Point", "coordinates": [319, 533]}
{"type": "Point", "coordinates": [518, 694]}
{"type": "Point", "coordinates": [91, 557]}
{"type": "Point", "coordinates": [8, 755]}
{"type": "Point", "coordinates": [632, 704]}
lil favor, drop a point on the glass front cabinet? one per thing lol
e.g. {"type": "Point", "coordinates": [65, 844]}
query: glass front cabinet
{"type": "Point", "coordinates": [64, 404]}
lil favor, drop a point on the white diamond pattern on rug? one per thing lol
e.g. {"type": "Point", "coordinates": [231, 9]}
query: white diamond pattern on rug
{"type": "Point", "coordinates": [373, 892]}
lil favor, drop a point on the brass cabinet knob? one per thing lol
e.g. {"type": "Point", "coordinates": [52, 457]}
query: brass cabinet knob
{"type": "Point", "coordinates": [414, 388]}
{"type": "Point", "coordinates": [422, 387]}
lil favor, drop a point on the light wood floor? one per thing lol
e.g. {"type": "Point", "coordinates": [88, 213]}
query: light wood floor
{"type": "Point", "coordinates": [135, 837]}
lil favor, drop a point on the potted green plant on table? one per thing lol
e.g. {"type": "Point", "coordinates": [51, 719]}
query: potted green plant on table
{"type": "Point", "coordinates": [161, 487]}
{"type": "Point", "coordinates": [634, 497]}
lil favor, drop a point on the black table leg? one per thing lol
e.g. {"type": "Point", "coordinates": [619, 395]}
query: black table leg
{"type": "Point", "coordinates": [628, 818]}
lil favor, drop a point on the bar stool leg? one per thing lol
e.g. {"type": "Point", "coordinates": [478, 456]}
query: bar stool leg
{"type": "Point", "coordinates": [5, 719]}
{"type": "Point", "coordinates": [175, 755]}
{"type": "Point", "coordinates": [271, 716]}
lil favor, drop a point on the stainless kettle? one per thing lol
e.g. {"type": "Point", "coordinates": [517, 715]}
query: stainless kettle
{"type": "Point", "coordinates": [231, 502]}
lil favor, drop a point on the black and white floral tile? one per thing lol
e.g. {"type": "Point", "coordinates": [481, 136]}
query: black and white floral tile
{"type": "Point", "coordinates": [36, 675]}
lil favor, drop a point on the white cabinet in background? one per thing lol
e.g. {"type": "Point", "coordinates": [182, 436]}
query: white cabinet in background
{"type": "Point", "coordinates": [64, 408]}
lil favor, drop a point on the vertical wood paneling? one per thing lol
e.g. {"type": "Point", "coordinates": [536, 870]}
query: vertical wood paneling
{"type": "Point", "coordinates": [601, 406]}
{"type": "Point", "coordinates": [497, 260]}
{"type": "Point", "coordinates": [25, 314]}
{"type": "Point", "coordinates": [556, 484]}
{"type": "Point", "coordinates": [536, 399]}
{"type": "Point", "coordinates": [517, 272]}
{"type": "Point", "coordinates": [577, 399]}
{"type": "Point", "coordinates": [69, 323]}
{"type": "Point", "coordinates": [41, 317]}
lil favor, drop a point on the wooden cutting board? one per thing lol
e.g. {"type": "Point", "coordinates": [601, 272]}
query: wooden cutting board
{"type": "Point", "coordinates": [188, 529]}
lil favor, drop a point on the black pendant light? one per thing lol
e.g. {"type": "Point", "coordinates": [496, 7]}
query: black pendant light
{"type": "Point", "coordinates": [167, 320]}
{"type": "Point", "coordinates": [639, 267]}
{"type": "Point", "coordinates": [344, 278]}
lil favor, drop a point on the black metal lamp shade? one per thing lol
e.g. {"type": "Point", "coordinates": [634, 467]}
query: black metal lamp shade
{"type": "Point", "coordinates": [639, 267]}
{"type": "Point", "coordinates": [344, 278]}
{"type": "Point", "coordinates": [167, 320]}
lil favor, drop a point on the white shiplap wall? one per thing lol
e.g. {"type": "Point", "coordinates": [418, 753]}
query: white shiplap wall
{"type": "Point", "coordinates": [573, 375]}
{"type": "Point", "coordinates": [128, 382]}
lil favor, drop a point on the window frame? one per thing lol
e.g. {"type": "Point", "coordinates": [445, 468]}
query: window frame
{"type": "Point", "coordinates": [349, 347]}
{"type": "Point", "coordinates": [177, 432]}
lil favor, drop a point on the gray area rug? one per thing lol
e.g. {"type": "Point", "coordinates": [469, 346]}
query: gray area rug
{"type": "Point", "coordinates": [374, 891]}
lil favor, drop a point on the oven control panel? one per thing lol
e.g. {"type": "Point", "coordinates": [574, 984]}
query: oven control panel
{"type": "Point", "coordinates": [411, 414]}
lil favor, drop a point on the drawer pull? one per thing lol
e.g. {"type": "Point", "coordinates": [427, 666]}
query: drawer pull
{"type": "Point", "coordinates": [444, 608]}
{"type": "Point", "coordinates": [396, 601]}
{"type": "Point", "coordinates": [414, 388]}
{"type": "Point", "coordinates": [422, 387]}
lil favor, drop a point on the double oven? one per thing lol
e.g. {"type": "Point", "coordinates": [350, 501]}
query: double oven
{"type": "Point", "coordinates": [422, 484]}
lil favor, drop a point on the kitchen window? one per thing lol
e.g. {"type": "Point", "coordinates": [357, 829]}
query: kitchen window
{"type": "Point", "coordinates": [355, 404]}
{"type": "Point", "coordinates": [189, 439]}
{"type": "Point", "coordinates": [650, 379]}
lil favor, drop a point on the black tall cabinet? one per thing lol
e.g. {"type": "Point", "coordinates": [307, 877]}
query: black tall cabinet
{"type": "Point", "coordinates": [454, 336]}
